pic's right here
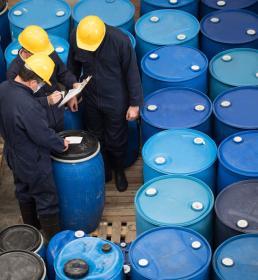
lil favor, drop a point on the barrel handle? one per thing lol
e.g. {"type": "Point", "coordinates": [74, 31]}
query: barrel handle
{"type": "Point", "coordinates": [5, 9]}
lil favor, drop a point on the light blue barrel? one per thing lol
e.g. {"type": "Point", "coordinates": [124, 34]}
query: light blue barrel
{"type": "Point", "coordinates": [208, 6]}
{"type": "Point", "coordinates": [56, 244]}
{"type": "Point", "coordinates": [173, 108]}
{"type": "Point", "coordinates": [53, 16]}
{"type": "Point", "coordinates": [228, 29]}
{"type": "Point", "coordinates": [190, 6]}
{"type": "Point", "coordinates": [235, 110]}
{"type": "Point", "coordinates": [170, 253]}
{"type": "Point", "coordinates": [2, 67]}
{"type": "Point", "coordinates": [5, 35]}
{"type": "Point", "coordinates": [238, 159]}
{"type": "Point", "coordinates": [73, 120]}
{"type": "Point", "coordinates": [79, 177]}
{"type": "Point", "coordinates": [118, 13]}
{"type": "Point", "coordinates": [237, 258]}
{"type": "Point", "coordinates": [89, 258]}
{"type": "Point", "coordinates": [174, 66]}
{"type": "Point", "coordinates": [180, 152]}
{"type": "Point", "coordinates": [165, 27]}
{"type": "Point", "coordinates": [233, 68]}
{"type": "Point", "coordinates": [178, 201]}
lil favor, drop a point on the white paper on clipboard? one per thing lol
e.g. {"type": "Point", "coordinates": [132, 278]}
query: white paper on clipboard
{"type": "Point", "coordinates": [75, 91]}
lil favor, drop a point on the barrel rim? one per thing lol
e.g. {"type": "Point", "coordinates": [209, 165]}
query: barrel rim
{"type": "Point", "coordinates": [207, 3]}
{"type": "Point", "coordinates": [208, 115]}
{"type": "Point", "coordinates": [130, 35]}
{"type": "Point", "coordinates": [166, 5]}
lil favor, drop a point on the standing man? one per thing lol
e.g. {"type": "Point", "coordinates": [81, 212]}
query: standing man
{"type": "Point", "coordinates": [29, 142]}
{"type": "Point", "coordinates": [114, 94]}
{"type": "Point", "coordinates": [33, 40]}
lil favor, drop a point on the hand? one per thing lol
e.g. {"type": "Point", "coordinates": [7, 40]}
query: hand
{"type": "Point", "coordinates": [76, 85]}
{"type": "Point", "coordinates": [66, 145]}
{"type": "Point", "coordinates": [54, 98]}
{"type": "Point", "coordinates": [73, 104]}
{"type": "Point", "coordinates": [132, 113]}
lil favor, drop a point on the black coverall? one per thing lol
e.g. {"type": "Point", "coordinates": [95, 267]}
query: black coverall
{"type": "Point", "coordinates": [61, 74]}
{"type": "Point", "coordinates": [28, 143]}
{"type": "Point", "coordinates": [114, 87]}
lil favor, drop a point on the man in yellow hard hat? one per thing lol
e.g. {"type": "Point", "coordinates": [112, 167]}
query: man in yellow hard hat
{"type": "Point", "coordinates": [34, 39]}
{"type": "Point", "coordinates": [114, 94]}
{"type": "Point", "coordinates": [29, 142]}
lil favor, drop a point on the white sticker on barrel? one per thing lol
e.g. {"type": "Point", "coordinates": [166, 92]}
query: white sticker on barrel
{"type": "Point", "coordinates": [238, 139]}
{"type": "Point", "coordinates": [227, 58]}
{"type": "Point", "coordinates": [154, 19]}
{"type": "Point", "coordinates": [227, 262]}
{"type": "Point", "coordinates": [251, 32]}
{"type": "Point", "coordinates": [242, 224]}
{"type": "Point", "coordinates": [196, 245]}
{"type": "Point", "coordinates": [17, 13]}
{"type": "Point", "coordinates": [221, 3]}
{"type": "Point", "coordinates": [60, 13]}
{"type": "Point", "coordinates": [225, 104]}
{"type": "Point", "coordinates": [74, 139]}
{"type": "Point", "coordinates": [59, 49]}
{"type": "Point", "coordinates": [15, 52]}
{"type": "Point", "coordinates": [151, 192]}
{"type": "Point", "coordinates": [160, 160]}
{"type": "Point", "coordinates": [199, 108]}
{"type": "Point", "coordinates": [181, 37]}
{"type": "Point", "coordinates": [197, 206]}
{"type": "Point", "coordinates": [215, 20]}
{"type": "Point", "coordinates": [79, 234]}
{"type": "Point", "coordinates": [143, 262]}
{"type": "Point", "coordinates": [173, 1]}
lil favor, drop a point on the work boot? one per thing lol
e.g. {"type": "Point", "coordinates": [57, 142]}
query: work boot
{"type": "Point", "coordinates": [50, 225]}
{"type": "Point", "coordinates": [29, 214]}
{"type": "Point", "coordinates": [121, 181]}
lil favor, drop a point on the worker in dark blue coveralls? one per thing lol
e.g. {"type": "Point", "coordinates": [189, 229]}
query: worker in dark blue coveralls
{"type": "Point", "coordinates": [29, 142]}
{"type": "Point", "coordinates": [34, 39]}
{"type": "Point", "coordinates": [114, 93]}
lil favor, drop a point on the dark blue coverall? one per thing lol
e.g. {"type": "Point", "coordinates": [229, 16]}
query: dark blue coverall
{"type": "Point", "coordinates": [61, 75]}
{"type": "Point", "coordinates": [28, 143]}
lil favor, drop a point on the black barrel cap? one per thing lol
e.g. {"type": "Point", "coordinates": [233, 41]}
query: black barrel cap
{"type": "Point", "coordinates": [106, 247]}
{"type": "Point", "coordinates": [87, 147]}
{"type": "Point", "coordinates": [76, 269]}
{"type": "Point", "coordinates": [20, 237]}
{"type": "Point", "coordinates": [21, 265]}
{"type": "Point", "coordinates": [2, 4]}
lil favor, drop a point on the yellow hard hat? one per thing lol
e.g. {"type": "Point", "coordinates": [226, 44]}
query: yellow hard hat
{"type": "Point", "coordinates": [90, 33]}
{"type": "Point", "coordinates": [35, 39]}
{"type": "Point", "coordinates": [42, 65]}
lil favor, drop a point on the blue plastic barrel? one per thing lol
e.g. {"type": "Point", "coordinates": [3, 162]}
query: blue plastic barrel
{"type": "Point", "coordinates": [53, 16]}
{"type": "Point", "coordinates": [79, 177]}
{"type": "Point", "coordinates": [180, 152]}
{"type": "Point", "coordinates": [238, 159]}
{"type": "Point", "coordinates": [5, 35]}
{"type": "Point", "coordinates": [56, 244]}
{"type": "Point", "coordinates": [131, 37]}
{"type": "Point", "coordinates": [2, 67]}
{"type": "Point", "coordinates": [89, 258]}
{"type": "Point", "coordinates": [208, 6]}
{"type": "Point", "coordinates": [235, 110]}
{"type": "Point", "coordinates": [190, 6]}
{"type": "Point", "coordinates": [235, 209]}
{"type": "Point", "coordinates": [20, 265]}
{"type": "Point", "coordinates": [170, 253]}
{"type": "Point", "coordinates": [233, 68]}
{"type": "Point", "coordinates": [237, 258]}
{"type": "Point", "coordinates": [73, 120]}
{"type": "Point", "coordinates": [118, 13]}
{"type": "Point", "coordinates": [174, 66]}
{"type": "Point", "coordinates": [171, 108]}
{"type": "Point", "coordinates": [22, 237]}
{"type": "Point", "coordinates": [178, 201]}
{"type": "Point", "coordinates": [165, 27]}
{"type": "Point", "coordinates": [227, 29]}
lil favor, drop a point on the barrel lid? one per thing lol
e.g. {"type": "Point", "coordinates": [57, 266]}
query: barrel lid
{"type": "Point", "coordinates": [238, 107]}
{"type": "Point", "coordinates": [237, 258]}
{"type": "Point", "coordinates": [131, 37]}
{"type": "Point", "coordinates": [174, 63]}
{"type": "Point", "coordinates": [104, 259]}
{"type": "Point", "coordinates": [230, 26]}
{"type": "Point", "coordinates": [184, 253]}
{"type": "Point", "coordinates": [179, 151]}
{"type": "Point", "coordinates": [168, 3]}
{"type": "Point", "coordinates": [236, 67]}
{"type": "Point", "coordinates": [87, 146]}
{"type": "Point", "coordinates": [238, 153]}
{"type": "Point", "coordinates": [190, 198]}
{"type": "Point", "coordinates": [20, 237]}
{"type": "Point", "coordinates": [20, 265]}
{"type": "Point", "coordinates": [112, 12]}
{"type": "Point", "coordinates": [165, 27]}
{"type": "Point", "coordinates": [176, 108]}
{"type": "Point", "coordinates": [229, 4]}
{"type": "Point", "coordinates": [236, 206]}
{"type": "Point", "coordinates": [29, 12]}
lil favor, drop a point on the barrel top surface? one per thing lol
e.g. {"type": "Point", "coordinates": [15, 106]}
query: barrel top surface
{"type": "Point", "coordinates": [20, 265]}
{"type": "Point", "coordinates": [165, 27]}
{"type": "Point", "coordinates": [237, 258]}
{"type": "Point", "coordinates": [131, 37]}
{"type": "Point", "coordinates": [20, 237]}
{"type": "Point", "coordinates": [238, 107]}
{"type": "Point", "coordinates": [102, 257]}
{"type": "Point", "coordinates": [45, 13]}
{"type": "Point", "coordinates": [169, 4]}
{"type": "Point", "coordinates": [236, 206]}
{"type": "Point", "coordinates": [165, 251]}
{"type": "Point", "coordinates": [236, 67]}
{"type": "Point", "coordinates": [238, 153]}
{"type": "Point", "coordinates": [231, 26]}
{"type": "Point", "coordinates": [174, 63]}
{"type": "Point", "coordinates": [177, 200]}
{"type": "Point", "coordinates": [229, 4]}
{"type": "Point", "coordinates": [179, 151]}
{"type": "Point", "coordinates": [112, 12]}
{"type": "Point", "coordinates": [176, 108]}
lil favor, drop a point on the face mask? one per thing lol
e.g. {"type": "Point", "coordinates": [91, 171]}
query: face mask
{"type": "Point", "coordinates": [39, 86]}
